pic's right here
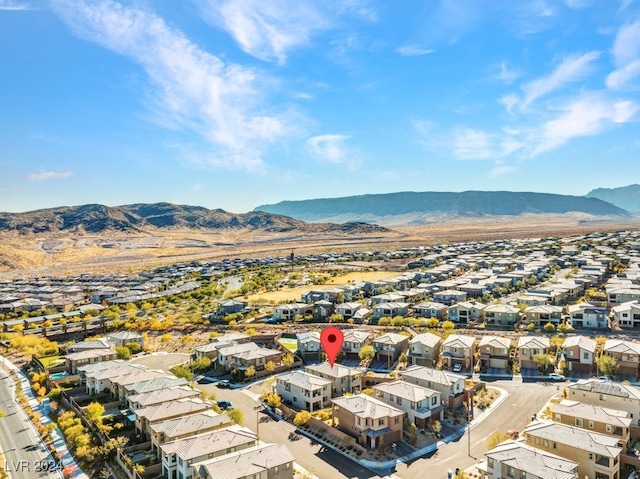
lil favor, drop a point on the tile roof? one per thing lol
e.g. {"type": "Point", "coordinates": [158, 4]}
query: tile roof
{"type": "Point", "coordinates": [210, 442]}
{"type": "Point", "coordinates": [365, 406]}
{"type": "Point", "coordinates": [434, 375]}
{"type": "Point", "coordinates": [593, 413]}
{"type": "Point", "coordinates": [534, 461]}
{"type": "Point", "coordinates": [247, 462]}
{"type": "Point", "coordinates": [192, 424]}
{"type": "Point", "coordinates": [405, 390]}
{"type": "Point", "coordinates": [304, 380]}
{"type": "Point", "coordinates": [574, 437]}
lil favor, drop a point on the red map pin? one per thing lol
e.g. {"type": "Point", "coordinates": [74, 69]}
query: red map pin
{"type": "Point", "coordinates": [331, 339]}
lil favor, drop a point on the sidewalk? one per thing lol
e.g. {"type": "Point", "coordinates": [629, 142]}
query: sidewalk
{"type": "Point", "coordinates": [61, 446]}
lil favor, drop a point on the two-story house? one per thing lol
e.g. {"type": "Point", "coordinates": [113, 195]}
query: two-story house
{"type": "Point", "coordinates": [353, 342]}
{"type": "Point", "coordinates": [263, 461]}
{"type": "Point", "coordinates": [372, 422]}
{"type": "Point", "coordinates": [82, 358]}
{"type": "Point", "coordinates": [304, 390]}
{"type": "Point", "coordinates": [343, 379]}
{"type": "Point", "coordinates": [347, 310]}
{"type": "Point", "coordinates": [424, 349]}
{"type": "Point", "coordinates": [585, 315]}
{"type": "Point", "coordinates": [494, 352]}
{"type": "Point", "coordinates": [151, 398]}
{"type": "Point", "coordinates": [291, 311]}
{"type": "Point", "coordinates": [627, 315]}
{"type": "Point", "coordinates": [597, 455]}
{"type": "Point", "coordinates": [309, 346]}
{"type": "Point", "coordinates": [448, 384]}
{"type": "Point", "coordinates": [430, 309]}
{"type": "Point", "coordinates": [179, 456]}
{"type": "Point", "coordinates": [501, 314]}
{"type": "Point", "coordinates": [169, 410]}
{"type": "Point", "coordinates": [599, 419]}
{"type": "Point", "coordinates": [458, 349]}
{"type": "Point", "coordinates": [121, 338]}
{"type": "Point", "coordinates": [626, 353]}
{"type": "Point", "coordinates": [422, 406]}
{"type": "Point", "coordinates": [515, 459]}
{"type": "Point", "coordinates": [390, 310]}
{"type": "Point", "coordinates": [542, 314]}
{"type": "Point", "coordinates": [389, 346]}
{"type": "Point", "coordinates": [579, 353]}
{"type": "Point", "coordinates": [528, 348]}
{"type": "Point", "coordinates": [449, 296]}
{"type": "Point", "coordinates": [623, 397]}
{"type": "Point", "coordinates": [466, 312]}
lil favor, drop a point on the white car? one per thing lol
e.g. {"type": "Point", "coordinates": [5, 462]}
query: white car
{"type": "Point", "coordinates": [557, 377]}
{"type": "Point", "coordinates": [457, 368]}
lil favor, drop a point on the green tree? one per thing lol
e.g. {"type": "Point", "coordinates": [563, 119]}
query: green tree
{"type": "Point", "coordinates": [432, 323]}
{"type": "Point", "coordinates": [236, 415]}
{"type": "Point", "coordinates": [495, 439]}
{"type": "Point", "coordinates": [134, 348]}
{"type": "Point", "coordinates": [366, 354]}
{"type": "Point", "coordinates": [543, 361]}
{"type": "Point", "coordinates": [123, 352]}
{"type": "Point", "coordinates": [202, 363]}
{"type": "Point", "coordinates": [182, 371]}
{"type": "Point", "coordinates": [607, 366]}
{"type": "Point", "coordinates": [403, 358]}
{"type": "Point", "coordinates": [94, 413]}
{"type": "Point", "coordinates": [448, 326]}
{"type": "Point", "coordinates": [413, 434]}
{"type": "Point", "coordinates": [549, 327]}
{"type": "Point", "coordinates": [301, 418]}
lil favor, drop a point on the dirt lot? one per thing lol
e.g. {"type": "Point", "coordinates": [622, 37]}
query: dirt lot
{"type": "Point", "coordinates": [162, 361]}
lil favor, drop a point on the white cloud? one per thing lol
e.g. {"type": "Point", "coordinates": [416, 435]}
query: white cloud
{"type": "Point", "coordinates": [196, 188]}
{"type": "Point", "coordinates": [502, 170]}
{"type": "Point", "coordinates": [506, 75]}
{"type": "Point", "coordinates": [626, 54]}
{"type": "Point", "coordinates": [470, 144]}
{"type": "Point", "coordinates": [509, 101]}
{"type": "Point", "coordinates": [414, 50]}
{"type": "Point", "coordinates": [266, 29]}
{"type": "Point", "coordinates": [328, 148]}
{"type": "Point", "coordinates": [586, 116]}
{"type": "Point", "coordinates": [49, 175]}
{"type": "Point", "coordinates": [13, 5]}
{"type": "Point", "coordinates": [193, 89]}
{"type": "Point", "coordinates": [573, 68]}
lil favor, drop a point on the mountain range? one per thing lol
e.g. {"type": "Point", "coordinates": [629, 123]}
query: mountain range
{"type": "Point", "coordinates": [407, 208]}
{"type": "Point", "coordinates": [144, 218]}
{"type": "Point", "coordinates": [627, 197]}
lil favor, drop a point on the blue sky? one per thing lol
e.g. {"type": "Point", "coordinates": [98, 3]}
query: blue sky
{"type": "Point", "coordinates": [235, 103]}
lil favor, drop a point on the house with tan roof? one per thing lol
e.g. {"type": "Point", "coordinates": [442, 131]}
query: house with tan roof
{"type": "Point", "coordinates": [579, 353]}
{"type": "Point", "coordinates": [458, 349]}
{"type": "Point", "coordinates": [186, 426]}
{"type": "Point", "coordinates": [156, 384]}
{"type": "Point", "coordinates": [515, 459]}
{"type": "Point", "coordinates": [354, 340]}
{"type": "Point", "coordinates": [168, 410]}
{"type": "Point", "coordinates": [89, 356]}
{"type": "Point", "coordinates": [528, 348]}
{"type": "Point", "coordinates": [626, 353]}
{"type": "Point", "coordinates": [424, 349]}
{"type": "Point", "coordinates": [542, 314]}
{"type": "Point", "coordinates": [372, 422]}
{"type": "Point", "coordinates": [264, 461]}
{"type": "Point", "coordinates": [494, 352]}
{"type": "Point", "coordinates": [389, 346]}
{"type": "Point", "coordinates": [343, 379]}
{"type": "Point", "coordinates": [304, 390]}
{"type": "Point", "coordinates": [448, 384]}
{"type": "Point", "coordinates": [422, 406]}
{"type": "Point", "coordinates": [179, 456]}
{"type": "Point", "coordinates": [614, 395]}
{"type": "Point", "coordinates": [597, 455]}
{"type": "Point", "coordinates": [139, 401]}
{"type": "Point", "coordinates": [600, 419]}
{"type": "Point", "coordinates": [627, 315]}
{"type": "Point", "coordinates": [466, 312]}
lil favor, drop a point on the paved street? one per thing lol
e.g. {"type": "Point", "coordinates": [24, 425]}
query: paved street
{"type": "Point", "coordinates": [515, 412]}
{"type": "Point", "coordinates": [22, 449]}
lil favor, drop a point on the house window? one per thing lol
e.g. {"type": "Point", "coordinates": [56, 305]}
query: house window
{"type": "Point", "coordinates": [524, 352]}
{"type": "Point", "coordinates": [555, 445]}
{"type": "Point", "coordinates": [276, 469]}
{"type": "Point", "coordinates": [545, 442]}
{"type": "Point", "coordinates": [603, 397]}
{"type": "Point", "coordinates": [358, 421]}
{"type": "Point", "coordinates": [585, 355]}
{"type": "Point", "coordinates": [608, 427]}
{"type": "Point", "coordinates": [510, 472]}
{"type": "Point", "coordinates": [578, 422]}
{"type": "Point", "coordinates": [381, 421]}
{"type": "Point", "coordinates": [396, 420]}
{"type": "Point", "coordinates": [434, 400]}
{"type": "Point", "coordinates": [590, 424]}
{"type": "Point", "coordinates": [591, 456]}
{"type": "Point", "coordinates": [537, 440]}
{"type": "Point", "coordinates": [570, 353]}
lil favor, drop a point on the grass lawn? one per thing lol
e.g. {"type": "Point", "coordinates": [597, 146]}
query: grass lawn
{"type": "Point", "coordinates": [292, 295]}
{"type": "Point", "coordinates": [52, 361]}
{"type": "Point", "coordinates": [290, 343]}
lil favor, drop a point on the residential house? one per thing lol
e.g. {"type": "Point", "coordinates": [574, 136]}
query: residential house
{"type": "Point", "coordinates": [185, 427]}
{"type": "Point", "coordinates": [458, 349]}
{"type": "Point", "coordinates": [264, 461]}
{"type": "Point", "coordinates": [211, 349]}
{"type": "Point", "coordinates": [291, 311]}
{"type": "Point", "coordinates": [597, 455]}
{"type": "Point", "coordinates": [241, 356]}
{"type": "Point", "coordinates": [168, 410]}
{"type": "Point", "coordinates": [579, 353]}
{"type": "Point", "coordinates": [322, 310]}
{"type": "Point", "coordinates": [156, 384]}
{"type": "Point", "coordinates": [309, 346]}
{"type": "Point", "coordinates": [98, 343]}
{"type": "Point", "coordinates": [626, 353]}
{"type": "Point", "coordinates": [449, 296]}
{"type": "Point", "coordinates": [354, 340]}
{"type": "Point", "coordinates": [75, 360]}
{"type": "Point", "coordinates": [422, 406]}
{"type": "Point", "coordinates": [390, 310]}
{"type": "Point", "coordinates": [614, 395]}
{"type": "Point", "coordinates": [627, 315]}
{"type": "Point", "coordinates": [430, 309]}
{"type": "Point", "coordinates": [151, 398]}
{"type": "Point", "coordinates": [528, 348]}
{"type": "Point", "coordinates": [495, 352]}
{"type": "Point", "coordinates": [389, 346]}
{"type": "Point", "coordinates": [515, 459]}
{"type": "Point", "coordinates": [231, 306]}
{"type": "Point", "coordinates": [585, 315]}
{"type": "Point", "coordinates": [179, 456]}
{"type": "Point", "coordinates": [372, 422]}
{"type": "Point", "coordinates": [466, 312]}
{"type": "Point", "coordinates": [501, 314]}
{"type": "Point", "coordinates": [540, 315]}
{"type": "Point", "coordinates": [620, 294]}
{"type": "Point", "coordinates": [304, 390]}
{"type": "Point", "coordinates": [448, 384]}
{"type": "Point", "coordinates": [424, 349]}
{"type": "Point", "coordinates": [363, 315]}
{"type": "Point", "coordinates": [343, 379]}
{"type": "Point", "coordinates": [347, 310]}
{"type": "Point", "coordinates": [599, 419]}
{"type": "Point", "coordinates": [121, 338]}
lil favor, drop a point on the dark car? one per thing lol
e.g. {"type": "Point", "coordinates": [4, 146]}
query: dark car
{"type": "Point", "coordinates": [225, 405]}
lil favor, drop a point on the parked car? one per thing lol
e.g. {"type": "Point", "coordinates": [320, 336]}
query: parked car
{"type": "Point", "coordinates": [225, 405]}
{"type": "Point", "coordinates": [556, 377]}
{"type": "Point", "coordinates": [457, 368]}
{"type": "Point", "coordinates": [224, 383]}
{"type": "Point", "coordinates": [604, 378]}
